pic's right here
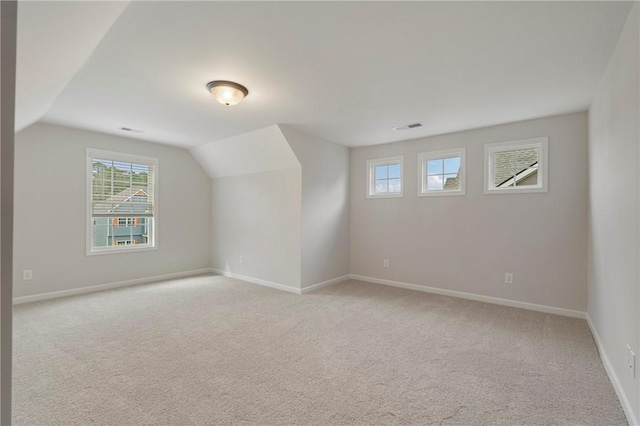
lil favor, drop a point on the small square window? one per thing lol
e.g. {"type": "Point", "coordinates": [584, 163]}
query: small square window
{"type": "Point", "coordinates": [384, 177]}
{"type": "Point", "coordinates": [442, 172]}
{"type": "Point", "coordinates": [516, 167]}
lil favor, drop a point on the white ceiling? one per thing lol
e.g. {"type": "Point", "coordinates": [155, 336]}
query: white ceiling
{"type": "Point", "coordinates": [54, 40]}
{"type": "Point", "coordinates": [347, 72]}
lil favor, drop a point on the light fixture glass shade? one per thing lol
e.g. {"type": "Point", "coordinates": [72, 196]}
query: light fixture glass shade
{"type": "Point", "coordinates": [227, 92]}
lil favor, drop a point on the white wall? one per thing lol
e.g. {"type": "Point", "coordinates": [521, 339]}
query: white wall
{"type": "Point", "coordinates": [258, 216]}
{"type": "Point", "coordinates": [467, 243]}
{"type": "Point", "coordinates": [614, 210]}
{"type": "Point", "coordinates": [325, 206]}
{"type": "Point", "coordinates": [50, 208]}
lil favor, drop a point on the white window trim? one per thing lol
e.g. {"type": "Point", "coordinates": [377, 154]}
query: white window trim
{"type": "Point", "coordinates": [542, 144]}
{"type": "Point", "coordinates": [423, 157]}
{"type": "Point", "coordinates": [371, 165]}
{"type": "Point", "coordinates": [130, 158]}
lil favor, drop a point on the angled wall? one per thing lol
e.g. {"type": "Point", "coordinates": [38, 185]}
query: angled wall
{"type": "Point", "coordinates": [280, 207]}
{"type": "Point", "coordinates": [256, 207]}
{"type": "Point", "coordinates": [614, 216]}
{"type": "Point", "coordinates": [325, 206]}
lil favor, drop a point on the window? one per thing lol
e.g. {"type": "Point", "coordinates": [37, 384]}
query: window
{"type": "Point", "coordinates": [384, 177]}
{"type": "Point", "coordinates": [518, 166]}
{"type": "Point", "coordinates": [121, 196]}
{"type": "Point", "coordinates": [442, 172]}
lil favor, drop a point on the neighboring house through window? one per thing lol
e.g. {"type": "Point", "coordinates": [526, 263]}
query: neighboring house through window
{"type": "Point", "coordinates": [442, 172]}
{"type": "Point", "coordinates": [518, 166]}
{"type": "Point", "coordinates": [127, 221]}
{"type": "Point", "coordinates": [122, 205]}
{"type": "Point", "coordinates": [384, 176]}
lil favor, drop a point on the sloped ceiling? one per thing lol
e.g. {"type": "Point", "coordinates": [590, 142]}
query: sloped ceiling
{"type": "Point", "coordinates": [254, 152]}
{"type": "Point", "coordinates": [344, 71]}
{"type": "Point", "coordinates": [54, 41]}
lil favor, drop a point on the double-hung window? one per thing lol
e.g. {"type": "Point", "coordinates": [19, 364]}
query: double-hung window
{"type": "Point", "coordinates": [518, 166]}
{"type": "Point", "coordinates": [384, 176]}
{"type": "Point", "coordinates": [442, 172]}
{"type": "Point", "coordinates": [121, 196]}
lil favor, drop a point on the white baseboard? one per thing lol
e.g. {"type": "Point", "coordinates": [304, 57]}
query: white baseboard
{"type": "Point", "coordinates": [102, 287]}
{"type": "Point", "coordinates": [476, 297]}
{"type": "Point", "coordinates": [613, 377]}
{"type": "Point", "coordinates": [258, 281]}
{"type": "Point", "coordinates": [316, 286]}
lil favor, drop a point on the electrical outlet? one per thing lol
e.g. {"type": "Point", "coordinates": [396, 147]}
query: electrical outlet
{"type": "Point", "coordinates": [631, 361]}
{"type": "Point", "coordinates": [508, 278]}
{"type": "Point", "coordinates": [241, 259]}
{"type": "Point", "coordinates": [27, 274]}
{"type": "Point", "coordinates": [386, 263]}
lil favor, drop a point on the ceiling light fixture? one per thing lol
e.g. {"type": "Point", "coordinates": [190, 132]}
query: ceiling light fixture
{"type": "Point", "coordinates": [227, 92]}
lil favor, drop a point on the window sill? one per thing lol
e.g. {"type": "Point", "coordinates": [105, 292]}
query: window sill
{"type": "Point", "coordinates": [514, 191]}
{"type": "Point", "coordinates": [441, 193]}
{"type": "Point", "coordinates": [385, 195]}
{"type": "Point", "coordinates": [120, 250]}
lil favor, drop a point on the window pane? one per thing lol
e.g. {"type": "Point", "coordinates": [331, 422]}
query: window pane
{"type": "Point", "coordinates": [394, 170]}
{"type": "Point", "coordinates": [434, 167]}
{"type": "Point", "coordinates": [381, 186]}
{"type": "Point", "coordinates": [452, 165]}
{"type": "Point", "coordinates": [504, 163]}
{"type": "Point", "coordinates": [529, 177]}
{"type": "Point", "coordinates": [114, 231]}
{"type": "Point", "coordinates": [452, 182]}
{"type": "Point", "coordinates": [381, 172]}
{"type": "Point", "coordinates": [526, 158]}
{"type": "Point", "coordinates": [394, 185]}
{"type": "Point", "coordinates": [435, 183]}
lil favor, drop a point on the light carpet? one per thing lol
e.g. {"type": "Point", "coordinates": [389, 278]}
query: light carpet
{"type": "Point", "coordinates": [214, 350]}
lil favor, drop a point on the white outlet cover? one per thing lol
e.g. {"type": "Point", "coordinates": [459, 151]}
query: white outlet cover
{"type": "Point", "coordinates": [631, 360]}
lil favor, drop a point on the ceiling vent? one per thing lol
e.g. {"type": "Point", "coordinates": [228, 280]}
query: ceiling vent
{"type": "Point", "coordinates": [408, 126]}
{"type": "Point", "coordinates": [129, 129]}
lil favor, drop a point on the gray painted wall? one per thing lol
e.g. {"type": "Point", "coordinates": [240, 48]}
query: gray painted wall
{"type": "Point", "coordinates": [8, 26]}
{"type": "Point", "coordinates": [614, 209]}
{"type": "Point", "coordinates": [50, 208]}
{"type": "Point", "coordinates": [467, 243]}
{"type": "Point", "coordinates": [258, 216]}
{"type": "Point", "coordinates": [325, 206]}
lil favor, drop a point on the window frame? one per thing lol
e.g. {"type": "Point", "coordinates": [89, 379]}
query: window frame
{"type": "Point", "coordinates": [371, 178]}
{"type": "Point", "coordinates": [90, 250]}
{"type": "Point", "coordinates": [425, 157]}
{"type": "Point", "coordinates": [541, 143]}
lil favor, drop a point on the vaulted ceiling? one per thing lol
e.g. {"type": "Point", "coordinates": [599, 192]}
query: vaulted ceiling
{"type": "Point", "coordinates": [344, 71]}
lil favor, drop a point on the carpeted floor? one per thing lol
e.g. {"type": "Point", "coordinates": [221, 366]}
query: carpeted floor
{"type": "Point", "coordinates": [213, 350]}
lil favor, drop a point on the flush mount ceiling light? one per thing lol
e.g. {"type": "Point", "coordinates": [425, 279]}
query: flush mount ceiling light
{"type": "Point", "coordinates": [227, 92]}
